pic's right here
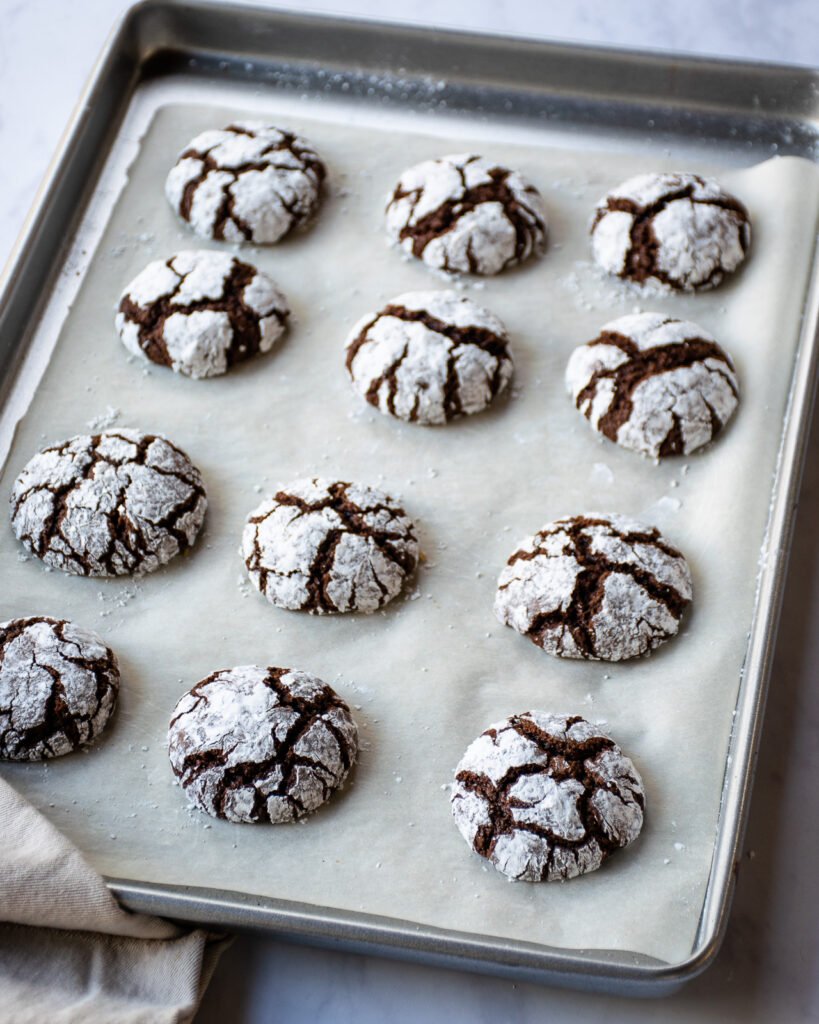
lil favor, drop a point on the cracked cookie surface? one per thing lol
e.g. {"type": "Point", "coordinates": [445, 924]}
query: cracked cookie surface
{"type": "Point", "coordinates": [599, 586]}
{"type": "Point", "coordinates": [249, 182]}
{"type": "Point", "coordinates": [546, 797]}
{"type": "Point", "coordinates": [253, 744]}
{"type": "Point", "coordinates": [108, 504]}
{"type": "Point", "coordinates": [326, 546]}
{"type": "Point", "coordinates": [678, 230]}
{"type": "Point", "coordinates": [200, 312]}
{"type": "Point", "coordinates": [429, 357]}
{"type": "Point", "coordinates": [654, 384]}
{"type": "Point", "coordinates": [58, 688]}
{"type": "Point", "coordinates": [466, 214]}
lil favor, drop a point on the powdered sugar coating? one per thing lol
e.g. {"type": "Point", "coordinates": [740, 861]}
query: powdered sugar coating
{"type": "Point", "coordinates": [249, 182]}
{"type": "Point", "coordinates": [108, 504]}
{"type": "Point", "coordinates": [253, 744]}
{"type": "Point", "coordinates": [200, 312]}
{"type": "Point", "coordinates": [546, 797]}
{"type": "Point", "coordinates": [654, 384]}
{"type": "Point", "coordinates": [678, 230]}
{"type": "Point", "coordinates": [429, 357]}
{"type": "Point", "coordinates": [598, 586]}
{"type": "Point", "coordinates": [464, 213]}
{"type": "Point", "coordinates": [58, 688]}
{"type": "Point", "coordinates": [328, 546]}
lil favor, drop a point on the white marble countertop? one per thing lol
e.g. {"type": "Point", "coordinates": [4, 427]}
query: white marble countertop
{"type": "Point", "coordinates": [767, 970]}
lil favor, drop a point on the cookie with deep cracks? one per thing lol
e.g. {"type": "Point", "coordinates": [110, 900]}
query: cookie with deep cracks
{"type": "Point", "coordinates": [466, 214]}
{"type": "Point", "coordinates": [597, 586]}
{"type": "Point", "coordinates": [429, 357]}
{"type": "Point", "coordinates": [249, 182]}
{"type": "Point", "coordinates": [200, 312]}
{"type": "Point", "coordinates": [546, 797]}
{"type": "Point", "coordinates": [678, 230]}
{"type": "Point", "coordinates": [654, 384]}
{"type": "Point", "coordinates": [58, 688]}
{"type": "Point", "coordinates": [326, 546]}
{"type": "Point", "coordinates": [110, 504]}
{"type": "Point", "coordinates": [252, 744]}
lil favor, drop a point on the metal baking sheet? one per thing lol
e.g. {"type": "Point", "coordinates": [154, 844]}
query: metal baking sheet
{"type": "Point", "coordinates": [434, 89]}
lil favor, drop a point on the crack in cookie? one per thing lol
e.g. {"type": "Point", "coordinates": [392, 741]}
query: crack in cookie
{"type": "Point", "coordinates": [253, 744]}
{"type": "Point", "coordinates": [108, 504]}
{"type": "Point", "coordinates": [429, 357]}
{"type": "Point", "coordinates": [546, 797]}
{"type": "Point", "coordinates": [58, 688]}
{"type": "Point", "coordinates": [678, 230]}
{"type": "Point", "coordinates": [249, 182]}
{"type": "Point", "coordinates": [464, 214]}
{"type": "Point", "coordinates": [200, 312]}
{"type": "Point", "coordinates": [654, 384]}
{"type": "Point", "coordinates": [597, 587]}
{"type": "Point", "coordinates": [328, 546]}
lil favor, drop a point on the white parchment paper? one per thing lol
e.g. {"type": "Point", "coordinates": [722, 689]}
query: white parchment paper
{"type": "Point", "coordinates": [434, 669]}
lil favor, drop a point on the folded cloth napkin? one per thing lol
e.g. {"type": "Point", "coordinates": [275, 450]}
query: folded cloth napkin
{"type": "Point", "coordinates": [69, 952]}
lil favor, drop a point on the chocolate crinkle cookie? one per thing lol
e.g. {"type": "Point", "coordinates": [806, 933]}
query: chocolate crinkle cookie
{"type": "Point", "coordinates": [654, 384]}
{"type": "Point", "coordinates": [546, 797]}
{"type": "Point", "coordinates": [200, 312]}
{"type": "Point", "coordinates": [429, 357]}
{"type": "Point", "coordinates": [677, 230]}
{"type": "Point", "coordinates": [108, 504]}
{"type": "Point", "coordinates": [58, 688]}
{"type": "Point", "coordinates": [466, 214]}
{"type": "Point", "coordinates": [249, 182]}
{"type": "Point", "coordinates": [595, 586]}
{"type": "Point", "coordinates": [326, 546]}
{"type": "Point", "coordinates": [253, 744]}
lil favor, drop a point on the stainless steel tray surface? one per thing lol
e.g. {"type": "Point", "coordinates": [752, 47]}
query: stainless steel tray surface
{"type": "Point", "coordinates": [168, 59]}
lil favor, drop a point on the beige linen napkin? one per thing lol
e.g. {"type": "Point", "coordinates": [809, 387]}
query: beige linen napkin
{"type": "Point", "coordinates": [69, 952]}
